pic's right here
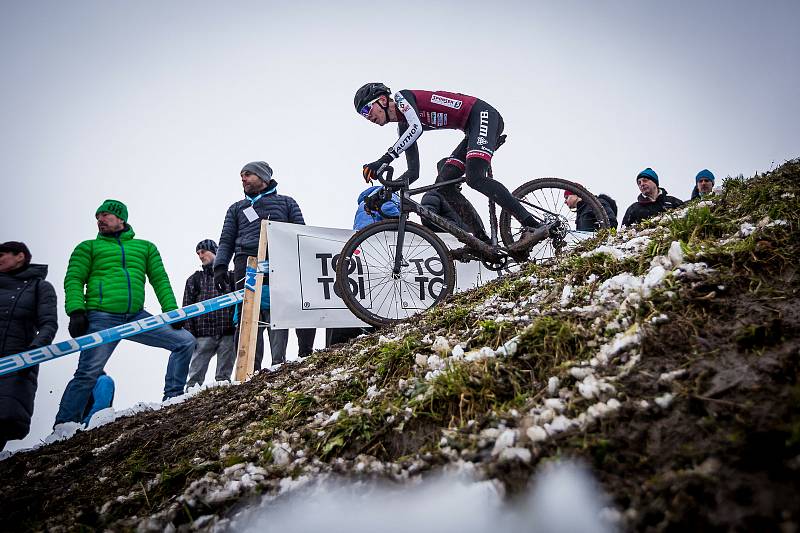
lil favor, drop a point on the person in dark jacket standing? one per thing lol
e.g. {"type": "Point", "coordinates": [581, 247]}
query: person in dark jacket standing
{"type": "Point", "coordinates": [104, 287]}
{"type": "Point", "coordinates": [28, 320]}
{"type": "Point", "coordinates": [239, 240]}
{"type": "Point", "coordinates": [584, 217]}
{"type": "Point", "coordinates": [703, 184]}
{"type": "Point", "coordinates": [213, 331]}
{"type": "Point", "coordinates": [652, 199]}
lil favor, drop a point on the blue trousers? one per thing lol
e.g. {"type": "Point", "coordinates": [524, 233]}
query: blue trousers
{"type": "Point", "coordinates": [102, 396]}
{"type": "Point", "coordinates": [92, 361]}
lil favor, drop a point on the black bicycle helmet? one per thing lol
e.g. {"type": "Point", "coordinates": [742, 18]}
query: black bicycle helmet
{"type": "Point", "coordinates": [368, 93]}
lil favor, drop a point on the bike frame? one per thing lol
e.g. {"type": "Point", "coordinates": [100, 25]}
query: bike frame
{"type": "Point", "coordinates": [407, 205]}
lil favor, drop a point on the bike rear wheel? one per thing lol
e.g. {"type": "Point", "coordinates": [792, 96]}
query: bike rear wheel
{"type": "Point", "coordinates": [544, 198]}
{"type": "Point", "coordinates": [378, 296]}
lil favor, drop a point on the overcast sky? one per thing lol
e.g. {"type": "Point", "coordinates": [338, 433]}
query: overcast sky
{"type": "Point", "coordinates": [159, 104]}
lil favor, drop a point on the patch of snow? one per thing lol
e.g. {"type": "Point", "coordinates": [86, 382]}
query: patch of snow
{"type": "Point", "coordinates": [483, 353]}
{"type": "Point", "coordinates": [555, 404]}
{"type": "Point", "coordinates": [536, 433]}
{"type": "Point", "coordinates": [566, 295]}
{"type": "Point", "coordinates": [668, 377]}
{"type": "Point", "coordinates": [441, 346]}
{"type": "Point", "coordinates": [580, 372]}
{"type": "Point", "coordinates": [506, 439]}
{"type": "Point", "coordinates": [559, 424]}
{"type": "Point", "coordinates": [746, 229]}
{"type": "Point", "coordinates": [512, 454]}
{"type": "Point", "coordinates": [509, 348]}
{"type": "Point", "coordinates": [552, 386]}
{"type": "Point", "coordinates": [63, 431]}
{"type": "Point", "coordinates": [664, 400]}
{"type": "Point", "coordinates": [675, 253]}
{"type": "Point", "coordinates": [659, 319]}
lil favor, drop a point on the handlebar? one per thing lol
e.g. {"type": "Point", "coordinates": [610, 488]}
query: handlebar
{"type": "Point", "coordinates": [388, 181]}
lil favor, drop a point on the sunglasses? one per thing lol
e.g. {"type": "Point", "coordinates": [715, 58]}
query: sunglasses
{"type": "Point", "coordinates": [365, 110]}
{"type": "Point", "coordinates": [704, 180]}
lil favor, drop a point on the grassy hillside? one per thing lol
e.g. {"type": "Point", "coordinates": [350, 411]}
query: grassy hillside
{"type": "Point", "coordinates": [666, 358]}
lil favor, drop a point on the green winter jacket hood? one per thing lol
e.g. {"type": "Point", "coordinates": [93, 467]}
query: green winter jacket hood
{"type": "Point", "coordinates": [108, 274]}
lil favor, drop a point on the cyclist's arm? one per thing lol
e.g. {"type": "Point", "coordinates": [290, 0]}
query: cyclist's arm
{"type": "Point", "coordinates": [412, 162]}
{"type": "Point", "coordinates": [414, 129]}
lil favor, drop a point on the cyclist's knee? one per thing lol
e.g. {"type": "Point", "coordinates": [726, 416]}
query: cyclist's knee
{"type": "Point", "coordinates": [477, 168]}
{"type": "Point", "coordinates": [450, 170]}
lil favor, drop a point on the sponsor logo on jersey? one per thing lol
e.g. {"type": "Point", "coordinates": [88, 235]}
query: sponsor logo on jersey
{"type": "Point", "coordinates": [403, 143]}
{"type": "Point", "coordinates": [483, 128]}
{"type": "Point", "coordinates": [482, 141]}
{"type": "Point", "coordinates": [435, 119]}
{"type": "Point", "coordinates": [445, 101]}
{"type": "Point", "coordinates": [402, 105]}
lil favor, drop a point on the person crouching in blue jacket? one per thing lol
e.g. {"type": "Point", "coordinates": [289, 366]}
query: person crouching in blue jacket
{"type": "Point", "coordinates": [365, 216]}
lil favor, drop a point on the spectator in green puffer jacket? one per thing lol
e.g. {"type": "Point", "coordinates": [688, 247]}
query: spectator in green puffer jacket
{"type": "Point", "coordinates": [104, 287]}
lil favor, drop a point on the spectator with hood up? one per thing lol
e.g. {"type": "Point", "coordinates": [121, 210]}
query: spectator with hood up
{"type": "Point", "coordinates": [584, 218]}
{"type": "Point", "coordinates": [652, 199]}
{"type": "Point", "coordinates": [28, 320]}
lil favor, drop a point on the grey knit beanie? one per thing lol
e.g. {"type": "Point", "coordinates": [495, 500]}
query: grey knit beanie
{"type": "Point", "coordinates": [260, 169]}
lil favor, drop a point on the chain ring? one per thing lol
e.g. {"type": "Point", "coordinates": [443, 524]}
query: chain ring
{"type": "Point", "coordinates": [497, 265]}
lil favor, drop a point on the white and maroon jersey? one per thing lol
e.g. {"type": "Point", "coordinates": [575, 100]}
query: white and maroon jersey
{"type": "Point", "coordinates": [428, 110]}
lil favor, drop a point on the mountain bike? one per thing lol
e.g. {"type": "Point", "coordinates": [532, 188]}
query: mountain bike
{"type": "Point", "coordinates": [393, 269]}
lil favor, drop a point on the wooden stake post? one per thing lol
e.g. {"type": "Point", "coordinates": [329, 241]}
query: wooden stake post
{"type": "Point", "coordinates": [251, 310]}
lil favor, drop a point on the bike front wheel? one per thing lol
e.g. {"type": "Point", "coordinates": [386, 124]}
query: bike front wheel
{"type": "Point", "coordinates": [374, 292]}
{"type": "Point", "coordinates": [544, 198]}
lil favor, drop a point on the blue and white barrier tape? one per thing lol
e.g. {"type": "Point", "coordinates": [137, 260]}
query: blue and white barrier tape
{"type": "Point", "coordinates": [12, 363]}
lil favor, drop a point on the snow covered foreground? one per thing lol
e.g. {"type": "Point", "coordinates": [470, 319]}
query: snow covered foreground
{"type": "Point", "coordinates": [563, 498]}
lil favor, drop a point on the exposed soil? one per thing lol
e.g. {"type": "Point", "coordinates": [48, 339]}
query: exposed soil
{"type": "Point", "coordinates": [722, 455]}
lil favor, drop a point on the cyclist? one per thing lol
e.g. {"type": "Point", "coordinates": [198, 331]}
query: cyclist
{"type": "Point", "coordinates": [416, 111]}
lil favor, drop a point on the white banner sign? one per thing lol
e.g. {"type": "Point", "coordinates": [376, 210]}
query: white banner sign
{"type": "Point", "coordinates": [302, 275]}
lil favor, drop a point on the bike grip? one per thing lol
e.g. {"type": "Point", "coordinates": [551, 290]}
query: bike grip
{"type": "Point", "coordinates": [388, 172]}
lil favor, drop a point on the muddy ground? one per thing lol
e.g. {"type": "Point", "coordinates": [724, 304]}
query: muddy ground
{"type": "Point", "coordinates": [724, 456]}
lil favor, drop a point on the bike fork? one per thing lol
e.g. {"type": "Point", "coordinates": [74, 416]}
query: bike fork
{"type": "Point", "coordinates": [398, 254]}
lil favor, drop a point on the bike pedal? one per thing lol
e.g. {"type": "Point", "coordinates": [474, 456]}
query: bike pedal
{"type": "Point", "coordinates": [463, 254]}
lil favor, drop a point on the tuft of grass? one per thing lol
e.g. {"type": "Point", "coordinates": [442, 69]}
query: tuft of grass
{"type": "Point", "coordinates": [450, 316]}
{"type": "Point", "coordinates": [550, 341]}
{"type": "Point", "coordinates": [395, 359]}
{"type": "Point", "coordinates": [493, 334]}
{"type": "Point", "coordinates": [472, 391]}
{"type": "Point", "coordinates": [347, 432]}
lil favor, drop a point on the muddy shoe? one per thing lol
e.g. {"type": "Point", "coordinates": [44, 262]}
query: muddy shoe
{"type": "Point", "coordinates": [530, 237]}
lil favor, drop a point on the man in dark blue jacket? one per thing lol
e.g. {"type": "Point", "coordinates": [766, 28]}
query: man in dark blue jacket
{"type": "Point", "coordinates": [239, 239]}
{"type": "Point", "coordinates": [28, 319]}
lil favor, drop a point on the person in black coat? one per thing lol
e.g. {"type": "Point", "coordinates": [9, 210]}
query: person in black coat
{"type": "Point", "coordinates": [584, 217]}
{"type": "Point", "coordinates": [28, 320]}
{"type": "Point", "coordinates": [652, 199]}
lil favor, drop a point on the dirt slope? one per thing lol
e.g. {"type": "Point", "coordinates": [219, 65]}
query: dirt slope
{"type": "Point", "coordinates": [667, 359]}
